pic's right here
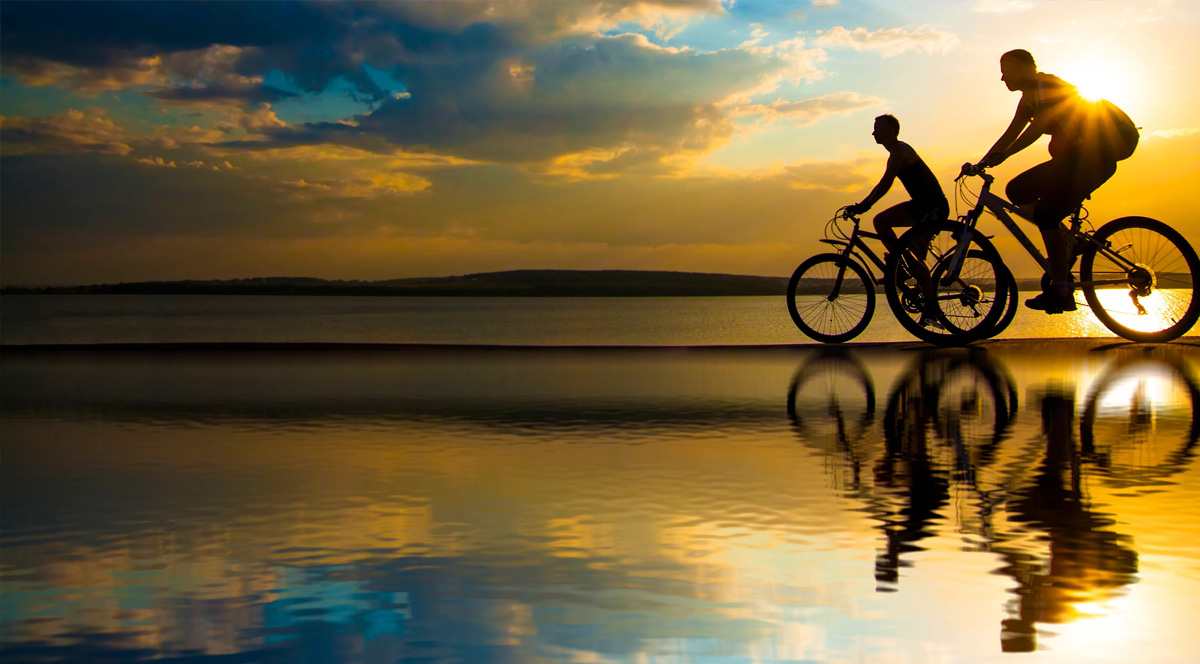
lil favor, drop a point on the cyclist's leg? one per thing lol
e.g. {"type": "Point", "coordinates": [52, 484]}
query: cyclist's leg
{"type": "Point", "coordinates": [897, 216]}
{"type": "Point", "coordinates": [1073, 182]}
{"type": "Point", "coordinates": [1048, 187]}
{"type": "Point", "coordinates": [1033, 184]}
{"type": "Point", "coordinates": [905, 215]}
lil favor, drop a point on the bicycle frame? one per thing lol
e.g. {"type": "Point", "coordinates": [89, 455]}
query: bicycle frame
{"type": "Point", "coordinates": [851, 248]}
{"type": "Point", "coordinates": [1001, 209]}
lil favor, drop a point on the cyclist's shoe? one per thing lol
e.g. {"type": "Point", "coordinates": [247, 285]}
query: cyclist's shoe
{"type": "Point", "coordinates": [930, 320]}
{"type": "Point", "coordinates": [1052, 303]}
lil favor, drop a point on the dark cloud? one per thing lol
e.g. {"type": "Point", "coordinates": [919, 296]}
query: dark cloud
{"type": "Point", "coordinates": [99, 34]}
{"type": "Point", "coordinates": [314, 43]}
{"type": "Point", "coordinates": [233, 93]}
{"type": "Point", "coordinates": [508, 81]}
{"type": "Point", "coordinates": [579, 94]}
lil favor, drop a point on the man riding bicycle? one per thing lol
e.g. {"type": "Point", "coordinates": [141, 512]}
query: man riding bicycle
{"type": "Point", "coordinates": [1086, 142]}
{"type": "Point", "coordinates": [928, 202]}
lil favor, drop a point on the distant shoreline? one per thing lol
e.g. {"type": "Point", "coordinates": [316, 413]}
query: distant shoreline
{"type": "Point", "coordinates": [515, 283]}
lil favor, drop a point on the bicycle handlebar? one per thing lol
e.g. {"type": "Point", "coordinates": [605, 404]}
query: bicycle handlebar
{"type": "Point", "coordinates": [969, 169]}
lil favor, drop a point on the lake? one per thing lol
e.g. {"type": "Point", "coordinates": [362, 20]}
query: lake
{"type": "Point", "coordinates": [601, 321]}
{"type": "Point", "coordinates": [584, 480]}
{"type": "Point", "coordinates": [788, 504]}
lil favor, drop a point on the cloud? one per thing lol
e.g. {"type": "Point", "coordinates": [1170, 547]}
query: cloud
{"type": "Point", "coordinates": [1176, 133]}
{"type": "Point", "coordinates": [824, 175]}
{"type": "Point", "coordinates": [1002, 6]}
{"type": "Point", "coordinates": [519, 82]}
{"type": "Point", "coordinates": [74, 131]}
{"type": "Point", "coordinates": [824, 4]}
{"type": "Point", "coordinates": [796, 64]}
{"type": "Point", "coordinates": [756, 35]}
{"type": "Point", "coordinates": [156, 161]}
{"type": "Point", "coordinates": [537, 21]}
{"type": "Point", "coordinates": [582, 94]}
{"type": "Point", "coordinates": [359, 184]}
{"type": "Point", "coordinates": [808, 112]}
{"type": "Point", "coordinates": [890, 42]}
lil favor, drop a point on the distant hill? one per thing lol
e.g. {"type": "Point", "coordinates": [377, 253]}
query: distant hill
{"type": "Point", "coordinates": [516, 283]}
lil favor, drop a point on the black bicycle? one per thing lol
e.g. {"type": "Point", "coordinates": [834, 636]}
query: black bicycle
{"type": "Point", "coordinates": [1138, 275]}
{"type": "Point", "coordinates": [831, 296]}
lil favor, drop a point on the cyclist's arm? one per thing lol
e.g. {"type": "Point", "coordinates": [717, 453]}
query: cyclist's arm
{"type": "Point", "coordinates": [1034, 131]}
{"type": "Point", "coordinates": [885, 183]}
{"type": "Point", "coordinates": [1020, 120]}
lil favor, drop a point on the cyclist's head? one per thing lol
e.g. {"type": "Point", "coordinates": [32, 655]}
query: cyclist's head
{"type": "Point", "coordinates": [887, 127]}
{"type": "Point", "coordinates": [1017, 69]}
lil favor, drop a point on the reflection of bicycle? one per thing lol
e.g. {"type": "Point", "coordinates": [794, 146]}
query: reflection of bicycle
{"type": "Point", "coordinates": [1141, 420]}
{"type": "Point", "coordinates": [831, 403]}
{"type": "Point", "coordinates": [1137, 274]}
{"type": "Point", "coordinates": [965, 399]}
{"type": "Point", "coordinates": [831, 296]}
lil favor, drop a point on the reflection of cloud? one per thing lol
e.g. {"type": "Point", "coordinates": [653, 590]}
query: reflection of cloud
{"type": "Point", "coordinates": [809, 111]}
{"type": "Point", "coordinates": [1175, 133]}
{"type": "Point", "coordinates": [824, 4]}
{"type": "Point", "coordinates": [890, 42]}
{"type": "Point", "coordinates": [1002, 6]}
{"type": "Point", "coordinates": [71, 132]}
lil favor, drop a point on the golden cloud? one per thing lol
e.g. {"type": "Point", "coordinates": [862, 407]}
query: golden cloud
{"type": "Point", "coordinates": [74, 131]}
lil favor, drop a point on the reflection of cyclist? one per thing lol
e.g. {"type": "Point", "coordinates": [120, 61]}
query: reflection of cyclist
{"type": "Point", "coordinates": [1088, 562]}
{"type": "Point", "coordinates": [928, 202]}
{"type": "Point", "coordinates": [1086, 142]}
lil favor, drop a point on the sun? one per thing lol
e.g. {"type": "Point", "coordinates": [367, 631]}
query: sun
{"type": "Point", "coordinates": [1098, 78]}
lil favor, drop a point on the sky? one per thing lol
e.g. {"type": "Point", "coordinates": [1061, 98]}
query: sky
{"type": "Point", "coordinates": [344, 140]}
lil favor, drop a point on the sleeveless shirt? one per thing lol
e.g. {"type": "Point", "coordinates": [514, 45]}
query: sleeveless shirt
{"type": "Point", "coordinates": [920, 183]}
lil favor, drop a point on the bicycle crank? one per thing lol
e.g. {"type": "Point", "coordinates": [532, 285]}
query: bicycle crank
{"type": "Point", "coordinates": [1143, 280]}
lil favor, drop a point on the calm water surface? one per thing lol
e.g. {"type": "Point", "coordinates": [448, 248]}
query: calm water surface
{"type": "Point", "coordinates": [654, 505]}
{"type": "Point", "coordinates": [602, 321]}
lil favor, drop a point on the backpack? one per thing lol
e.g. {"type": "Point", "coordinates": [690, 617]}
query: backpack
{"type": "Point", "coordinates": [1098, 129]}
{"type": "Point", "coordinates": [1115, 134]}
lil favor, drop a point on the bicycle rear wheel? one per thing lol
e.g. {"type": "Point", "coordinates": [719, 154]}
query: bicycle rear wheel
{"type": "Point", "coordinates": [965, 308]}
{"type": "Point", "coordinates": [819, 311]}
{"type": "Point", "coordinates": [1151, 272]}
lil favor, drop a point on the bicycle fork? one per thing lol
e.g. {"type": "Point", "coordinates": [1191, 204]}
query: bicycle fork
{"type": "Point", "coordinates": [960, 254]}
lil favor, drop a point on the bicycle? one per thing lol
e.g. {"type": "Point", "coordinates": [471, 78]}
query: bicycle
{"type": "Point", "coordinates": [1145, 257]}
{"type": "Point", "coordinates": [842, 288]}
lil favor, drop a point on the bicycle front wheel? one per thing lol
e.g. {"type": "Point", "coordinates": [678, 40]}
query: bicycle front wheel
{"type": "Point", "coordinates": [1139, 277]}
{"type": "Point", "coordinates": [941, 298]}
{"type": "Point", "coordinates": [831, 298]}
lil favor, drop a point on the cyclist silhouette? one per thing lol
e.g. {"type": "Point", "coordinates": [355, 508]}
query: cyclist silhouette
{"type": "Point", "coordinates": [1086, 142]}
{"type": "Point", "coordinates": [928, 202]}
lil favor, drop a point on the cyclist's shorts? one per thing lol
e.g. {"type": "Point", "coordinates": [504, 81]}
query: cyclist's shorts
{"type": "Point", "coordinates": [1059, 186]}
{"type": "Point", "coordinates": [926, 212]}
